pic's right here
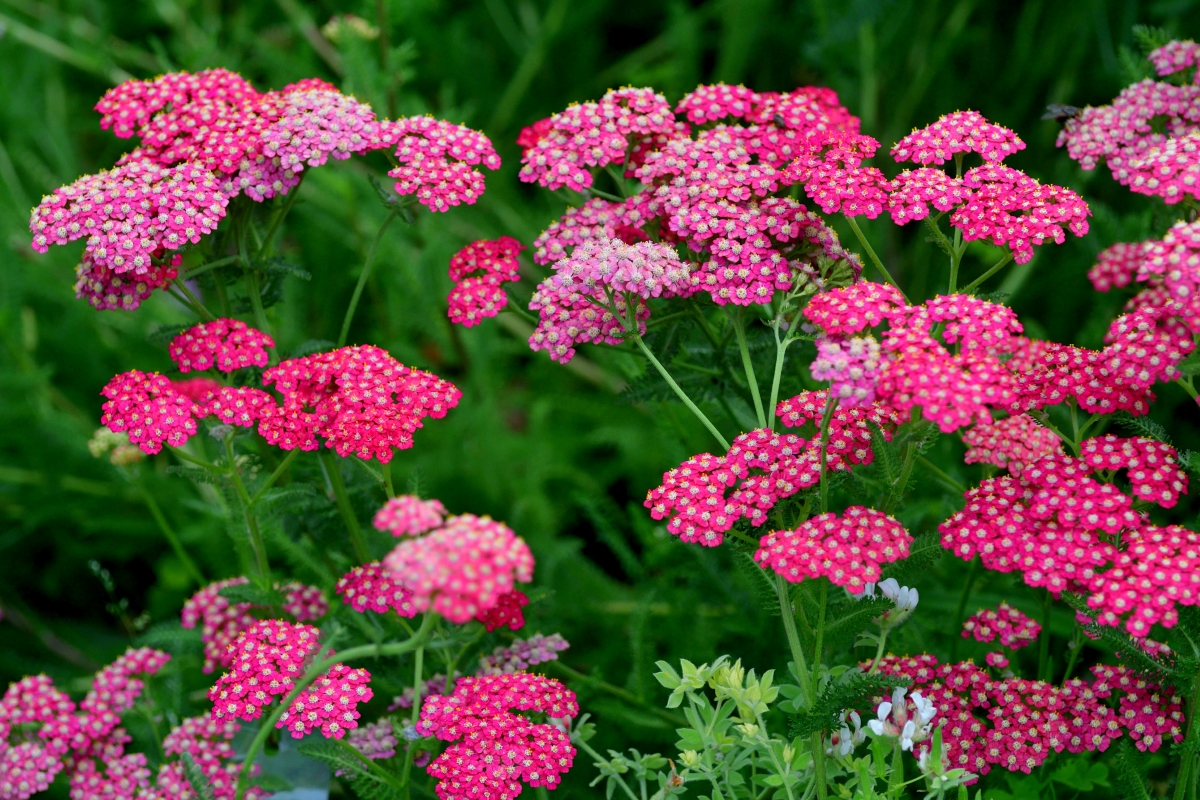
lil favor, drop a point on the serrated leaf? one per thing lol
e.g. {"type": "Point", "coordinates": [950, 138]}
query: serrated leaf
{"type": "Point", "coordinates": [925, 550]}
{"type": "Point", "coordinates": [1127, 775]}
{"type": "Point", "coordinates": [165, 333]}
{"type": "Point", "coordinates": [195, 777]}
{"type": "Point", "coordinates": [170, 636]}
{"type": "Point", "coordinates": [366, 782]}
{"type": "Point", "coordinates": [281, 266]}
{"type": "Point", "coordinates": [852, 617]}
{"type": "Point", "coordinates": [854, 690]}
{"type": "Point", "coordinates": [311, 346]}
{"type": "Point", "coordinates": [195, 474]}
{"type": "Point", "coordinates": [249, 593]}
{"type": "Point", "coordinates": [1143, 426]}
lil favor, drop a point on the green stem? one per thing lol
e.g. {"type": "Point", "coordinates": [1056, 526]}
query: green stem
{"type": "Point", "coordinates": [818, 738]}
{"type": "Point", "coordinates": [999, 265]}
{"type": "Point", "coordinates": [279, 216]}
{"type": "Point", "coordinates": [600, 760]}
{"type": "Point", "coordinates": [386, 469]}
{"type": "Point", "coordinates": [1043, 667]}
{"type": "Point", "coordinates": [256, 539]}
{"type": "Point", "coordinates": [255, 294]}
{"type": "Point", "coordinates": [780, 353]}
{"type": "Point", "coordinates": [1186, 384]}
{"type": "Point", "coordinates": [1185, 782]}
{"type": "Point", "coordinates": [955, 260]}
{"type": "Point", "coordinates": [183, 455]}
{"type": "Point", "coordinates": [749, 367]}
{"type": "Point", "coordinates": [369, 765]}
{"type": "Point", "coordinates": [687, 401]}
{"type": "Point", "coordinates": [1076, 647]}
{"type": "Point", "coordinates": [274, 476]}
{"type": "Point", "coordinates": [789, 628]}
{"type": "Point", "coordinates": [961, 609]}
{"type": "Point", "coordinates": [897, 491]}
{"type": "Point", "coordinates": [952, 484]}
{"type": "Point", "coordinates": [191, 301]}
{"type": "Point", "coordinates": [818, 748]}
{"type": "Point", "coordinates": [830, 404]}
{"type": "Point", "coordinates": [617, 692]}
{"type": "Point", "coordinates": [513, 308]}
{"type": "Point", "coordinates": [328, 460]}
{"type": "Point", "coordinates": [315, 671]}
{"type": "Point", "coordinates": [366, 273]}
{"type": "Point", "coordinates": [871, 254]}
{"type": "Point", "coordinates": [211, 265]}
{"type": "Point", "coordinates": [172, 538]}
{"type": "Point", "coordinates": [883, 634]}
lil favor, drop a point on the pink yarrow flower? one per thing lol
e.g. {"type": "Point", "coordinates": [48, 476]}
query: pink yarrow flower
{"type": "Point", "coordinates": [226, 344]}
{"type": "Point", "coordinates": [1009, 443]}
{"type": "Point", "coordinates": [409, 515]}
{"type": "Point", "coordinates": [106, 289]}
{"type": "Point", "coordinates": [372, 587]}
{"type": "Point", "coordinates": [438, 160]}
{"type": "Point", "coordinates": [209, 743]}
{"type": "Point", "coordinates": [29, 764]}
{"type": "Point", "coordinates": [1010, 626]}
{"type": "Point", "coordinates": [149, 410]}
{"type": "Point", "coordinates": [479, 271]}
{"type": "Point", "coordinates": [955, 134]}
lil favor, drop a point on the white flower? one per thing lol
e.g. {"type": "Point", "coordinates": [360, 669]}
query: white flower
{"type": "Point", "coordinates": [843, 741]}
{"type": "Point", "coordinates": [893, 719]}
{"type": "Point", "coordinates": [904, 598]}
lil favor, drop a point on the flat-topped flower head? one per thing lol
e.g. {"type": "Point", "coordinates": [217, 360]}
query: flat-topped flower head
{"type": "Point", "coordinates": [372, 587]}
{"type": "Point", "coordinates": [718, 101]}
{"type": "Point", "coordinates": [462, 568]}
{"type": "Point", "coordinates": [1170, 169]}
{"type": "Point", "coordinates": [496, 257]}
{"type": "Point", "coordinates": [1010, 626]}
{"type": "Point", "coordinates": [851, 366]}
{"type": "Point", "coordinates": [1153, 467]}
{"type": "Point", "coordinates": [912, 192]}
{"type": "Point", "coordinates": [226, 344]}
{"type": "Point", "coordinates": [851, 309]}
{"type": "Point", "coordinates": [494, 750]}
{"type": "Point", "coordinates": [329, 704]}
{"type": "Point", "coordinates": [847, 548]}
{"type": "Point", "coordinates": [506, 613]}
{"type": "Point", "coordinates": [409, 515]}
{"type": "Point", "coordinates": [149, 409]}
{"type": "Point", "coordinates": [1117, 266]}
{"type": "Point", "coordinates": [375, 740]}
{"type": "Point", "coordinates": [313, 122]}
{"type": "Point", "coordinates": [954, 134]}
{"type": "Point", "coordinates": [1175, 56]}
{"type": "Point", "coordinates": [830, 169]}
{"type": "Point", "coordinates": [106, 289]}
{"type": "Point", "coordinates": [523, 654]}
{"type": "Point", "coordinates": [221, 622]}
{"type": "Point", "coordinates": [596, 219]}
{"type": "Point", "coordinates": [438, 160]}
{"type": "Point", "coordinates": [1009, 443]}
{"type": "Point", "coordinates": [210, 745]}
{"type": "Point", "coordinates": [29, 765]}
{"type": "Point", "coordinates": [645, 269]}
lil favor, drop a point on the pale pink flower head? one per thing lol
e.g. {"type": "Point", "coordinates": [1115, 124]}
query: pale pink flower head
{"type": "Point", "coordinates": [848, 548]}
{"type": "Point", "coordinates": [852, 367]}
{"type": "Point", "coordinates": [147, 408]}
{"type": "Point", "coordinates": [494, 750]}
{"type": "Point", "coordinates": [105, 289]}
{"type": "Point", "coordinates": [1117, 266]}
{"type": "Point", "coordinates": [124, 777]}
{"type": "Point", "coordinates": [314, 122]}
{"type": "Point", "coordinates": [209, 743]}
{"type": "Point", "coordinates": [29, 764]}
{"type": "Point", "coordinates": [226, 344]}
{"type": "Point", "coordinates": [645, 269]}
{"type": "Point", "coordinates": [1170, 169]}
{"type": "Point", "coordinates": [953, 134]}
{"type": "Point", "coordinates": [409, 515]}
{"type": "Point", "coordinates": [1010, 626]}
{"type": "Point", "coordinates": [375, 740]}
{"type": "Point", "coordinates": [596, 219]}
{"type": "Point", "coordinates": [523, 654]}
{"type": "Point", "coordinates": [718, 101]}
{"type": "Point", "coordinates": [372, 587]}
{"type": "Point", "coordinates": [438, 161]}
{"type": "Point", "coordinates": [1175, 56]}
{"type": "Point", "coordinates": [462, 568]}
{"type": "Point", "coordinates": [1009, 443]}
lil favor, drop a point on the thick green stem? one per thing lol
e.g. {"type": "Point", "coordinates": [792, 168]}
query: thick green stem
{"type": "Point", "coordinates": [938, 473]}
{"type": "Point", "coordinates": [999, 265]}
{"type": "Point", "coordinates": [871, 254]}
{"type": "Point", "coordinates": [687, 401]}
{"type": "Point", "coordinates": [830, 404]}
{"type": "Point", "coordinates": [274, 476]}
{"type": "Point", "coordinates": [956, 253]}
{"type": "Point", "coordinates": [793, 638]}
{"type": "Point", "coordinates": [780, 352]}
{"type": "Point", "coordinates": [191, 300]}
{"type": "Point", "coordinates": [169, 533]}
{"type": "Point", "coordinates": [332, 471]}
{"type": "Point", "coordinates": [256, 539]}
{"type": "Point", "coordinates": [883, 634]}
{"type": "Point", "coordinates": [818, 749]}
{"type": "Point", "coordinates": [317, 670]}
{"type": "Point", "coordinates": [896, 494]}
{"type": "Point", "coordinates": [211, 265]}
{"type": "Point", "coordinates": [1185, 780]}
{"type": "Point", "coordinates": [366, 273]}
{"type": "Point", "coordinates": [749, 367]}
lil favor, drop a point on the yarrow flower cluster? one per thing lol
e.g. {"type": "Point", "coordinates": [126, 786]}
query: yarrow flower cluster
{"type": "Point", "coordinates": [149, 410]}
{"type": "Point", "coordinates": [209, 744]}
{"type": "Point", "coordinates": [1010, 626]}
{"type": "Point", "coordinates": [479, 272]}
{"type": "Point", "coordinates": [409, 515]}
{"type": "Point", "coordinates": [956, 134]}
{"type": "Point", "coordinates": [226, 344]}
{"type": "Point", "coordinates": [372, 587]}
{"type": "Point", "coordinates": [222, 622]}
{"type": "Point", "coordinates": [523, 654]}
{"type": "Point", "coordinates": [267, 659]}
{"type": "Point", "coordinates": [28, 765]}
{"type": "Point", "coordinates": [462, 568]}
{"type": "Point", "coordinates": [506, 613]}
{"type": "Point", "coordinates": [1010, 443]}
{"type": "Point", "coordinates": [851, 366]}
{"type": "Point", "coordinates": [438, 160]}
{"type": "Point", "coordinates": [493, 749]}
{"type": "Point", "coordinates": [849, 548]}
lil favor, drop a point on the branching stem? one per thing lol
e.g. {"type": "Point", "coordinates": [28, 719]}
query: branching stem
{"type": "Point", "coordinates": [364, 275]}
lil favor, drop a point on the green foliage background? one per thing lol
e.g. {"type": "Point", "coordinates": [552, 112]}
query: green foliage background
{"type": "Point", "coordinates": [555, 452]}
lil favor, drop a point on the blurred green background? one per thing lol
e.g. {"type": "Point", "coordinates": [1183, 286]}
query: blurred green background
{"type": "Point", "coordinates": [555, 452]}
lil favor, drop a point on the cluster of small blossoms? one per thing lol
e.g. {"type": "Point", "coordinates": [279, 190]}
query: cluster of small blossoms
{"type": "Point", "coordinates": [372, 587]}
{"type": "Point", "coordinates": [209, 743]}
{"type": "Point", "coordinates": [493, 749]}
{"type": "Point", "coordinates": [596, 219]}
{"type": "Point", "coordinates": [375, 740]}
{"type": "Point", "coordinates": [28, 765]}
{"type": "Point", "coordinates": [226, 344]}
{"type": "Point", "coordinates": [221, 622]}
{"type": "Point", "coordinates": [1010, 626]}
{"type": "Point", "coordinates": [437, 161]}
{"type": "Point", "coordinates": [851, 366]}
{"type": "Point", "coordinates": [149, 410]}
{"type": "Point", "coordinates": [462, 568]}
{"type": "Point", "coordinates": [479, 272]}
{"type": "Point", "coordinates": [830, 169]}
{"type": "Point", "coordinates": [104, 288]}
{"type": "Point", "coordinates": [266, 660]}
{"type": "Point", "coordinates": [914, 191]}
{"type": "Point", "coordinates": [434, 684]}
{"type": "Point", "coordinates": [848, 549]}
{"type": "Point", "coordinates": [1151, 713]}
{"type": "Point", "coordinates": [1060, 529]}
{"type": "Point", "coordinates": [359, 399]}
{"type": "Point", "coordinates": [1174, 56]}
{"type": "Point", "coordinates": [522, 654]}
{"type": "Point", "coordinates": [1117, 266]}
{"type": "Point", "coordinates": [604, 275]}
{"type": "Point", "coordinates": [506, 613]}
{"type": "Point", "coordinates": [409, 515]}
{"type": "Point", "coordinates": [956, 134]}
{"type": "Point", "coordinates": [1009, 443]}
{"type": "Point", "coordinates": [763, 468]}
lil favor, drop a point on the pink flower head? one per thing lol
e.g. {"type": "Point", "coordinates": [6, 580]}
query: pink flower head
{"type": "Point", "coordinates": [221, 622]}
{"type": "Point", "coordinates": [371, 586]}
{"type": "Point", "coordinates": [711, 103]}
{"type": "Point", "coordinates": [497, 257]}
{"type": "Point", "coordinates": [29, 765]}
{"type": "Point", "coordinates": [596, 219]}
{"type": "Point", "coordinates": [132, 105]}
{"type": "Point", "coordinates": [242, 406]}
{"type": "Point", "coordinates": [506, 613]}
{"type": "Point", "coordinates": [1175, 56]}
{"type": "Point", "coordinates": [853, 308]}
{"type": "Point", "coordinates": [494, 749]}
{"type": "Point", "coordinates": [363, 402]}
{"type": "Point", "coordinates": [114, 688]}
{"type": "Point", "coordinates": [530, 134]}
{"type": "Point", "coordinates": [574, 319]}
{"type": "Point", "coordinates": [1148, 711]}
{"type": "Point", "coordinates": [1170, 169]}
{"type": "Point", "coordinates": [124, 778]}
{"type": "Point", "coordinates": [313, 122]}
{"type": "Point", "coordinates": [1175, 260]}
{"type": "Point", "coordinates": [105, 289]}
{"type": "Point", "coordinates": [473, 300]}
{"type": "Point", "coordinates": [851, 366]}
{"type": "Point", "coordinates": [209, 743]}
{"type": "Point", "coordinates": [1010, 209]}
{"type": "Point", "coordinates": [913, 191]}
{"type": "Point", "coordinates": [1117, 266]}
{"type": "Point", "coordinates": [997, 660]}
{"type": "Point", "coordinates": [1152, 467]}
{"type": "Point", "coordinates": [409, 515]}
{"type": "Point", "coordinates": [147, 408]}
{"type": "Point", "coordinates": [805, 109]}
{"type": "Point", "coordinates": [438, 160]}
{"type": "Point", "coordinates": [267, 659]}
{"type": "Point", "coordinates": [952, 134]}
{"type": "Point", "coordinates": [1048, 373]}
{"type": "Point", "coordinates": [1147, 346]}
{"type": "Point", "coordinates": [131, 214]}
{"type": "Point", "coordinates": [462, 568]}
{"type": "Point", "coordinates": [830, 169]}
{"type": "Point", "coordinates": [1010, 626]}
{"type": "Point", "coordinates": [375, 740]}
{"type": "Point", "coordinates": [594, 135]}
{"type": "Point", "coordinates": [226, 344]}
{"type": "Point", "coordinates": [847, 548]}
{"type": "Point", "coordinates": [1009, 443]}
{"type": "Point", "coordinates": [523, 654]}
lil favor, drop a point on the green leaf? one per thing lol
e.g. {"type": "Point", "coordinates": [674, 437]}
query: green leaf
{"type": "Point", "coordinates": [1127, 774]}
{"type": "Point", "coordinates": [855, 690]}
{"type": "Point", "coordinates": [367, 783]}
{"type": "Point", "coordinates": [165, 333]}
{"type": "Point", "coordinates": [195, 474]}
{"type": "Point", "coordinates": [249, 593]}
{"type": "Point", "coordinates": [195, 777]}
{"type": "Point", "coordinates": [1144, 426]}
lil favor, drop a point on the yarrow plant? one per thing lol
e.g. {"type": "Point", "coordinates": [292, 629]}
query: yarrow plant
{"type": "Point", "coordinates": [698, 248]}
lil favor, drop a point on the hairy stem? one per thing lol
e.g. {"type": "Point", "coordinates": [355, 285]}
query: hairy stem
{"type": "Point", "coordinates": [169, 533]}
{"type": "Point", "coordinates": [328, 460]}
{"type": "Point", "coordinates": [740, 331]}
{"type": "Point", "coordinates": [871, 254]}
{"type": "Point", "coordinates": [366, 273]}
{"type": "Point", "coordinates": [256, 539]}
{"type": "Point", "coordinates": [687, 401]}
